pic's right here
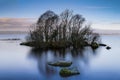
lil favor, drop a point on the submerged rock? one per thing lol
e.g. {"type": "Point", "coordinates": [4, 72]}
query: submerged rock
{"type": "Point", "coordinates": [66, 72]}
{"type": "Point", "coordinates": [60, 63]}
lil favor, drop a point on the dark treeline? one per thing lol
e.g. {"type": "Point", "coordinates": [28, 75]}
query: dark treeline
{"type": "Point", "coordinates": [61, 31]}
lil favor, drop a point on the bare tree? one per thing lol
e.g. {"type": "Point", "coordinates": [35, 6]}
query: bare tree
{"type": "Point", "coordinates": [65, 17]}
{"type": "Point", "coordinates": [66, 27]}
{"type": "Point", "coordinates": [47, 22]}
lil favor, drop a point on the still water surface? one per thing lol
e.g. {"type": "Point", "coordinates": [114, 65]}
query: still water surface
{"type": "Point", "coordinates": [23, 63]}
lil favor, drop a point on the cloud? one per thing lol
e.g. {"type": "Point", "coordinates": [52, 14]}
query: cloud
{"type": "Point", "coordinates": [15, 23]}
{"type": "Point", "coordinates": [116, 23]}
{"type": "Point", "coordinates": [15, 20]}
{"type": "Point", "coordinates": [106, 26]}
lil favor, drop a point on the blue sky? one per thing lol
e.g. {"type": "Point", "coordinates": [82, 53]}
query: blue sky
{"type": "Point", "coordinates": [102, 14]}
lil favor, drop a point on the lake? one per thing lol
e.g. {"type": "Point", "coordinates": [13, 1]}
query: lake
{"type": "Point", "coordinates": [24, 63]}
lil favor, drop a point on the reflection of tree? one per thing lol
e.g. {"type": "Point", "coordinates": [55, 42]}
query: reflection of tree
{"type": "Point", "coordinates": [41, 57]}
{"type": "Point", "coordinates": [78, 57]}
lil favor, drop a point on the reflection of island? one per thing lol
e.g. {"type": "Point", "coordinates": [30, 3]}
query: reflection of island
{"type": "Point", "coordinates": [41, 57]}
{"type": "Point", "coordinates": [80, 59]}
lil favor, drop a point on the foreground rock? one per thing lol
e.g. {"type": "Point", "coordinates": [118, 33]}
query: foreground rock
{"type": "Point", "coordinates": [60, 63]}
{"type": "Point", "coordinates": [66, 72]}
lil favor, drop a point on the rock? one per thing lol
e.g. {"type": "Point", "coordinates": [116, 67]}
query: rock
{"type": "Point", "coordinates": [60, 63]}
{"type": "Point", "coordinates": [102, 44]}
{"type": "Point", "coordinates": [65, 72]}
{"type": "Point", "coordinates": [108, 47]}
{"type": "Point", "coordinates": [94, 45]}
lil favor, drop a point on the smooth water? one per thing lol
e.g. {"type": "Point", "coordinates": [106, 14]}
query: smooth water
{"type": "Point", "coordinates": [23, 63]}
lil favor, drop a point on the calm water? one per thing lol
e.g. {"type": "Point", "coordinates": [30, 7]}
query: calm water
{"type": "Point", "coordinates": [23, 63]}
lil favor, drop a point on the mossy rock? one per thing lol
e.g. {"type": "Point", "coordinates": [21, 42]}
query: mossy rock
{"type": "Point", "coordinates": [94, 45]}
{"type": "Point", "coordinates": [60, 64]}
{"type": "Point", "coordinates": [68, 72]}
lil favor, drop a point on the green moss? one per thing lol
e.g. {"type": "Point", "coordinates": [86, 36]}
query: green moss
{"type": "Point", "coordinates": [61, 64]}
{"type": "Point", "coordinates": [67, 72]}
{"type": "Point", "coordinates": [94, 45]}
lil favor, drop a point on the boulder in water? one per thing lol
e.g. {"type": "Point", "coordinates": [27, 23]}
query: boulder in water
{"type": "Point", "coordinates": [66, 72]}
{"type": "Point", "coordinates": [60, 63]}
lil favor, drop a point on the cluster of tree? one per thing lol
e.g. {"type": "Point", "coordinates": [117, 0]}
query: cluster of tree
{"type": "Point", "coordinates": [64, 30]}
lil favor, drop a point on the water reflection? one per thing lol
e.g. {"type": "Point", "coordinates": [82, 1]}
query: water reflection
{"type": "Point", "coordinates": [80, 59]}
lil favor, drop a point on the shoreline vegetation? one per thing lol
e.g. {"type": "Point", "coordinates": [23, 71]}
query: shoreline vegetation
{"type": "Point", "coordinates": [53, 31]}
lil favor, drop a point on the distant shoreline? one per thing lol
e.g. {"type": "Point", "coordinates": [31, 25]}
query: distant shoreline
{"type": "Point", "coordinates": [101, 32]}
{"type": "Point", "coordinates": [13, 32]}
{"type": "Point", "coordinates": [107, 32]}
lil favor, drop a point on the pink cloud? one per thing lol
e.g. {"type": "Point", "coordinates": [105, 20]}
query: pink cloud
{"type": "Point", "coordinates": [7, 24]}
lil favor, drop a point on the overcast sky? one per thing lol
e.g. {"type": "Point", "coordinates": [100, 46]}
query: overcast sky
{"type": "Point", "coordinates": [102, 14]}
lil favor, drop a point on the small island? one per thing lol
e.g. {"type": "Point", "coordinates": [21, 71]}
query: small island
{"type": "Point", "coordinates": [53, 31]}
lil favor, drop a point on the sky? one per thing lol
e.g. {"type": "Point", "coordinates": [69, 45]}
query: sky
{"type": "Point", "coordinates": [19, 14]}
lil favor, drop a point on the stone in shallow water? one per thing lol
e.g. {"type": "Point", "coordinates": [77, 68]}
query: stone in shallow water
{"type": "Point", "coordinates": [66, 72]}
{"type": "Point", "coordinates": [60, 63]}
{"type": "Point", "coordinates": [108, 47]}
